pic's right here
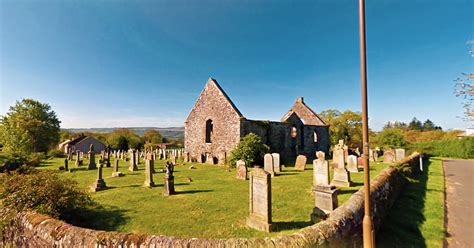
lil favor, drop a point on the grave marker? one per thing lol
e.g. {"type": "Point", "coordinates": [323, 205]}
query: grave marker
{"type": "Point", "coordinates": [300, 163]}
{"type": "Point", "coordinates": [260, 216]}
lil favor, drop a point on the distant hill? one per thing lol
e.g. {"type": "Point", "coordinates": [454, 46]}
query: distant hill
{"type": "Point", "coordinates": [166, 132]}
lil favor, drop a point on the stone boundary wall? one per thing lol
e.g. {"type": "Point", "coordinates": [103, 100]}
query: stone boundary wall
{"type": "Point", "coordinates": [341, 229]}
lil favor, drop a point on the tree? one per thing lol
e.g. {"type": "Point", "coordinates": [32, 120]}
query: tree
{"type": "Point", "coordinates": [250, 149]}
{"type": "Point", "coordinates": [29, 126]}
{"type": "Point", "coordinates": [428, 125]}
{"type": "Point", "coordinates": [415, 124]}
{"type": "Point", "coordinates": [391, 138]}
{"type": "Point", "coordinates": [123, 138]}
{"type": "Point", "coordinates": [346, 126]}
{"type": "Point", "coordinates": [464, 88]}
{"type": "Point", "coordinates": [152, 136]}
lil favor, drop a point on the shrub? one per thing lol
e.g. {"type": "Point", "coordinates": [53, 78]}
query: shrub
{"type": "Point", "coordinates": [250, 149]}
{"type": "Point", "coordinates": [56, 153]}
{"type": "Point", "coordinates": [44, 192]}
{"type": "Point", "coordinates": [456, 148]}
{"type": "Point", "coordinates": [391, 138]}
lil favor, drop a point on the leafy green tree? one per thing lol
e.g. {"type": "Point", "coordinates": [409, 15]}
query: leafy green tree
{"type": "Point", "coordinates": [346, 126]}
{"type": "Point", "coordinates": [29, 126]}
{"type": "Point", "coordinates": [152, 136]}
{"type": "Point", "coordinates": [391, 138]}
{"type": "Point", "coordinates": [428, 125]}
{"type": "Point", "coordinates": [250, 149]}
{"type": "Point", "coordinates": [123, 138]}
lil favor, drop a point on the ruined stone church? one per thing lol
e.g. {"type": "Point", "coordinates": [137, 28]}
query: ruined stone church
{"type": "Point", "coordinates": [215, 125]}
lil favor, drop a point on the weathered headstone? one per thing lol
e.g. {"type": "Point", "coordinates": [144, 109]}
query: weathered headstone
{"type": "Point", "coordinates": [371, 155]}
{"type": "Point", "coordinates": [116, 172]}
{"type": "Point", "coordinates": [268, 164]}
{"type": "Point", "coordinates": [186, 157]}
{"type": "Point", "coordinates": [169, 179]}
{"type": "Point", "coordinates": [338, 156]}
{"type": "Point", "coordinates": [352, 163]}
{"type": "Point", "coordinates": [276, 162]}
{"type": "Point", "coordinates": [241, 170]}
{"type": "Point", "coordinates": [99, 183]}
{"type": "Point", "coordinates": [107, 157]}
{"type": "Point", "coordinates": [341, 178]}
{"type": "Point", "coordinates": [92, 164]}
{"type": "Point", "coordinates": [209, 158]}
{"type": "Point", "coordinates": [133, 161]}
{"type": "Point", "coordinates": [320, 171]}
{"type": "Point", "coordinates": [325, 201]}
{"type": "Point", "coordinates": [149, 173]}
{"type": "Point", "coordinates": [66, 168]}
{"type": "Point", "coordinates": [399, 154]}
{"type": "Point", "coordinates": [78, 159]}
{"type": "Point", "coordinates": [388, 156]}
{"type": "Point", "coordinates": [260, 216]}
{"type": "Point", "coordinates": [300, 162]}
{"type": "Point", "coordinates": [222, 159]}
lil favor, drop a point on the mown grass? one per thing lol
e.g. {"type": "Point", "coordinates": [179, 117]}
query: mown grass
{"type": "Point", "coordinates": [417, 217]}
{"type": "Point", "coordinates": [213, 205]}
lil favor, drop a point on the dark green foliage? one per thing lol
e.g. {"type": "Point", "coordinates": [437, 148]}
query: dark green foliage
{"type": "Point", "coordinates": [44, 192]}
{"type": "Point", "coordinates": [56, 153]}
{"type": "Point", "coordinates": [250, 149]}
{"type": "Point", "coordinates": [456, 148]}
{"type": "Point", "coordinates": [415, 124]}
{"type": "Point", "coordinates": [10, 161]}
{"type": "Point", "coordinates": [391, 138]}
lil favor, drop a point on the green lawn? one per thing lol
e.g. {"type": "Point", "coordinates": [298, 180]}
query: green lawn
{"type": "Point", "coordinates": [417, 217]}
{"type": "Point", "coordinates": [213, 205]}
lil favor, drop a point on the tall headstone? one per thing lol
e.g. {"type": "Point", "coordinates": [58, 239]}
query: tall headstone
{"type": "Point", "coordinates": [352, 163]}
{"type": "Point", "coordinates": [66, 168]}
{"type": "Point", "coordinates": [107, 161]}
{"type": "Point", "coordinates": [78, 159]}
{"type": "Point", "coordinates": [276, 162]}
{"type": "Point", "coordinates": [133, 161]}
{"type": "Point", "coordinates": [320, 171]}
{"type": "Point", "coordinates": [241, 170]}
{"type": "Point", "coordinates": [222, 158]}
{"type": "Point", "coordinates": [260, 201]}
{"type": "Point", "coordinates": [137, 154]}
{"type": "Point", "coordinates": [186, 157]}
{"type": "Point", "coordinates": [388, 156]}
{"type": "Point", "coordinates": [209, 158]}
{"type": "Point", "coordinates": [99, 183]}
{"type": "Point", "coordinates": [268, 164]}
{"type": "Point", "coordinates": [169, 179]}
{"type": "Point", "coordinates": [149, 173]}
{"type": "Point", "coordinates": [92, 164]}
{"type": "Point", "coordinates": [300, 162]}
{"type": "Point", "coordinates": [399, 154]}
{"type": "Point", "coordinates": [338, 156]}
{"type": "Point", "coordinates": [116, 172]}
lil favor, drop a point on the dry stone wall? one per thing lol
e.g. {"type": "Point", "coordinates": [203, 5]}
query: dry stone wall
{"type": "Point", "coordinates": [341, 229]}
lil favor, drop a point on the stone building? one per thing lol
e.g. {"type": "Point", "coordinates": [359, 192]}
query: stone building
{"type": "Point", "coordinates": [215, 126]}
{"type": "Point", "coordinates": [82, 144]}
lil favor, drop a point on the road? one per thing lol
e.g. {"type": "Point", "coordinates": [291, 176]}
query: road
{"type": "Point", "coordinates": [459, 175]}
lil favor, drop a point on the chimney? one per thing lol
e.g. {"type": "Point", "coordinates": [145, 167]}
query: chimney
{"type": "Point", "coordinates": [299, 99]}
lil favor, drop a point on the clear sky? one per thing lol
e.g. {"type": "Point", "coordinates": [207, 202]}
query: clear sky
{"type": "Point", "coordinates": [144, 63]}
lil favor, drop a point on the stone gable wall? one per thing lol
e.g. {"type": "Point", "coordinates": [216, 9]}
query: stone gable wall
{"type": "Point", "coordinates": [212, 104]}
{"type": "Point", "coordinates": [342, 228]}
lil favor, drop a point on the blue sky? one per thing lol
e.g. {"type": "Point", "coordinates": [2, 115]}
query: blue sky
{"type": "Point", "coordinates": [144, 63]}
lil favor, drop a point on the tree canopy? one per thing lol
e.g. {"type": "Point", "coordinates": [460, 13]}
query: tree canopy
{"type": "Point", "coordinates": [29, 126]}
{"type": "Point", "coordinates": [346, 126]}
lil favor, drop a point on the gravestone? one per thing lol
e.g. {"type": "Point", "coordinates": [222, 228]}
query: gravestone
{"type": "Point", "coordinates": [107, 157]}
{"type": "Point", "coordinates": [209, 158]}
{"type": "Point", "coordinates": [133, 161]}
{"type": "Point", "coordinates": [92, 164]}
{"type": "Point", "coordinates": [300, 163]}
{"type": "Point", "coordinates": [352, 163]}
{"type": "Point", "coordinates": [99, 183]}
{"type": "Point", "coordinates": [388, 156]}
{"type": "Point", "coordinates": [268, 164]}
{"type": "Point", "coordinates": [371, 155]}
{"type": "Point", "coordinates": [276, 162]}
{"type": "Point", "coordinates": [260, 200]}
{"type": "Point", "coordinates": [399, 154]}
{"type": "Point", "coordinates": [137, 159]}
{"type": "Point", "coordinates": [338, 156]}
{"type": "Point", "coordinates": [116, 172]}
{"type": "Point", "coordinates": [320, 155]}
{"type": "Point", "coordinates": [78, 159]}
{"type": "Point", "coordinates": [325, 201]}
{"type": "Point", "coordinates": [169, 179]}
{"type": "Point", "coordinates": [241, 170]}
{"type": "Point", "coordinates": [66, 168]}
{"type": "Point", "coordinates": [149, 173]}
{"type": "Point", "coordinates": [173, 159]}
{"type": "Point", "coordinates": [186, 157]}
{"type": "Point", "coordinates": [320, 171]}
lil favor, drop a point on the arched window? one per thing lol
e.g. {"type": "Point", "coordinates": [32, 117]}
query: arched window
{"type": "Point", "coordinates": [294, 131]}
{"type": "Point", "coordinates": [315, 136]}
{"type": "Point", "coordinates": [209, 127]}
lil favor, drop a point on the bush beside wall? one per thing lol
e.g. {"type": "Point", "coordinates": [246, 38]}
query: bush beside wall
{"type": "Point", "coordinates": [455, 148]}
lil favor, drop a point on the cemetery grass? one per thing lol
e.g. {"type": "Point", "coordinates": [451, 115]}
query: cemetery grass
{"type": "Point", "coordinates": [213, 205]}
{"type": "Point", "coordinates": [417, 217]}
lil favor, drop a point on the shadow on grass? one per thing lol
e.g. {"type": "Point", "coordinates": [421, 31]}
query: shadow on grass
{"type": "Point", "coordinates": [402, 225]}
{"type": "Point", "coordinates": [99, 218]}
{"type": "Point", "coordinates": [287, 174]}
{"type": "Point", "coordinates": [347, 191]}
{"type": "Point", "coordinates": [291, 225]}
{"type": "Point", "coordinates": [193, 191]}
